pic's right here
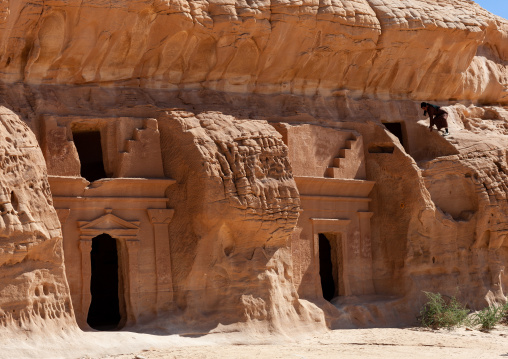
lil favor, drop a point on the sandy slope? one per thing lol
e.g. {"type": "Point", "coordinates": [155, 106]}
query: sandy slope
{"type": "Point", "coordinates": [364, 343]}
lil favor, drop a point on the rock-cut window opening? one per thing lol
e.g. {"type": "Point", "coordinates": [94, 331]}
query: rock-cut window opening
{"type": "Point", "coordinates": [396, 129]}
{"type": "Point", "coordinates": [88, 145]}
{"type": "Point", "coordinates": [330, 265]}
{"type": "Point", "coordinates": [105, 309]}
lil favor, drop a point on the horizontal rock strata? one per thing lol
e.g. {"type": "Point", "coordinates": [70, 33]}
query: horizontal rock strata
{"type": "Point", "coordinates": [369, 47]}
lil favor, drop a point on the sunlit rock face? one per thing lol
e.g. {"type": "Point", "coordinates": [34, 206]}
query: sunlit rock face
{"type": "Point", "coordinates": [385, 48]}
{"type": "Point", "coordinates": [235, 238]}
{"type": "Point", "coordinates": [34, 292]}
{"type": "Point", "coordinates": [236, 205]}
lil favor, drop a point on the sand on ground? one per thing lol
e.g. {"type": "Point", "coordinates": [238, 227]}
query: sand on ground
{"type": "Point", "coordinates": [387, 343]}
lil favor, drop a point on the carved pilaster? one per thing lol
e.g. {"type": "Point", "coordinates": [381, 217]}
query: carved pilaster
{"type": "Point", "coordinates": [160, 219]}
{"type": "Point", "coordinates": [133, 265]}
{"type": "Point", "coordinates": [85, 246]}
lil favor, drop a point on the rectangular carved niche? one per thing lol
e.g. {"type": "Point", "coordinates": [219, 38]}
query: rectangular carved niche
{"type": "Point", "coordinates": [89, 147]}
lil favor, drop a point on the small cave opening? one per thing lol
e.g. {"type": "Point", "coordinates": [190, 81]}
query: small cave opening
{"type": "Point", "coordinates": [396, 129]}
{"type": "Point", "coordinates": [88, 145]}
{"type": "Point", "coordinates": [330, 265]}
{"type": "Point", "coordinates": [104, 312]}
{"type": "Point", "coordinates": [14, 201]}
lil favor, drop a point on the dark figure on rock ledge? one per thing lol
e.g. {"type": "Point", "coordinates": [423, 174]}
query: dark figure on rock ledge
{"type": "Point", "coordinates": [437, 116]}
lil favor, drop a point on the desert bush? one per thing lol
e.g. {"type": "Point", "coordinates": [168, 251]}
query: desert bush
{"type": "Point", "coordinates": [489, 317]}
{"type": "Point", "coordinates": [439, 312]}
{"type": "Point", "coordinates": [504, 320]}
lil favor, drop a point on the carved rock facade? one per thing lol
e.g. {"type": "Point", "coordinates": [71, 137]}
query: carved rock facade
{"type": "Point", "coordinates": [237, 203]}
{"type": "Point", "coordinates": [239, 164]}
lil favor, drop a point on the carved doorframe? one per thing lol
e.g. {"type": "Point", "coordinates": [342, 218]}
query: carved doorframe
{"type": "Point", "coordinates": [126, 232]}
{"type": "Point", "coordinates": [356, 251]}
{"type": "Point", "coordinates": [332, 226]}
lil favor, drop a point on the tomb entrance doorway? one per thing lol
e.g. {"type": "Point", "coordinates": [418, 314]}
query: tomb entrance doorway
{"type": "Point", "coordinates": [105, 284]}
{"type": "Point", "coordinates": [331, 268]}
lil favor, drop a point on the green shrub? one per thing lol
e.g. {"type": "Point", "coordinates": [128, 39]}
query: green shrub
{"type": "Point", "coordinates": [504, 320]}
{"type": "Point", "coordinates": [488, 317]}
{"type": "Point", "coordinates": [439, 312]}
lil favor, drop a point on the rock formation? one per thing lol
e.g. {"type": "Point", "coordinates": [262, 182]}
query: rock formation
{"type": "Point", "coordinates": [368, 47]}
{"type": "Point", "coordinates": [34, 291]}
{"type": "Point", "coordinates": [242, 162]}
{"type": "Point", "coordinates": [236, 205]}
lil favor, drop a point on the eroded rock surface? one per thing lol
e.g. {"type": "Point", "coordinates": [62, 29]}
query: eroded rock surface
{"type": "Point", "coordinates": [305, 48]}
{"type": "Point", "coordinates": [233, 241]}
{"type": "Point", "coordinates": [34, 291]}
{"type": "Point", "coordinates": [439, 218]}
{"type": "Point", "coordinates": [236, 204]}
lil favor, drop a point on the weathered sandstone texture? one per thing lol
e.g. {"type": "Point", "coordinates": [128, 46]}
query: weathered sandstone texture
{"type": "Point", "coordinates": [236, 204]}
{"type": "Point", "coordinates": [233, 165]}
{"type": "Point", "coordinates": [33, 291]}
{"type": "Point", "coordinates": [432, 49]}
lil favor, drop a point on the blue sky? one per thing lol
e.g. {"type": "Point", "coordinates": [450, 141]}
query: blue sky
{"type": "Point", "coordinates": [498, 7]}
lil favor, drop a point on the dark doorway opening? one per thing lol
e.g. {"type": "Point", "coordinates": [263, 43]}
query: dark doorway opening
{"type": "Point", "coordinates": [330, 265]}
{"type": "Point", "coordinates": [88, 145]}
{"type": "Point", "coordinates": [104, 312]}
{"type": "Point", "coordinates": [396, 129]}
{"type": "Point", "coordinates": [326, 267]}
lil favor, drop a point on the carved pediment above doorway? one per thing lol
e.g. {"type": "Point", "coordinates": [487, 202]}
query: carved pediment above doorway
{"type": "Point", "coordinates": [110, 224]}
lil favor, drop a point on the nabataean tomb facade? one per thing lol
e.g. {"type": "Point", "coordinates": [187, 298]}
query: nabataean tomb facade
{"type": "Point", "coordinates": [204, 165]}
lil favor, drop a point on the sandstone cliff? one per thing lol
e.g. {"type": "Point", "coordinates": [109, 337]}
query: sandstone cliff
{"type": "Point", "coordinates": [219, 78]}
{"type": "Point", "coordinates": [369, 47]}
